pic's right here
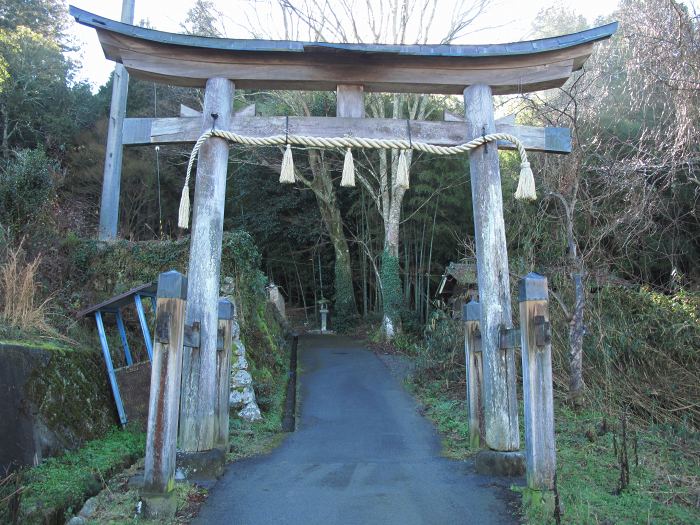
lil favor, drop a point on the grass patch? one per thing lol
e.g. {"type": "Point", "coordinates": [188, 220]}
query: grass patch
{"type": "Point", "coordinates": [664, 473]}
{"type": "Point", "coordinates": [60, 485]}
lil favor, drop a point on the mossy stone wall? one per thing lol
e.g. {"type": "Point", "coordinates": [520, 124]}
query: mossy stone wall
{"type": "Point", "coordinates": [53, 399]}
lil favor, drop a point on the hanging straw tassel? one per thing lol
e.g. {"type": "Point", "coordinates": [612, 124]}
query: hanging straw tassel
{"type": "Point", "coordinates": [348, 179]}
{"type": "Point", "coordinates": [402, 171]}
{"type": "Point", "coordinates": [183, 218]}
{"type": "Point", "coordinates": [287, 173]}
{"type": "Point", "coordinates": [526, 183]}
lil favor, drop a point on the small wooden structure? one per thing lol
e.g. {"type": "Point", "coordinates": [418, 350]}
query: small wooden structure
{"type": "Point", "coordinates": [221, 65]}
{"type": "Point", "coordinates": [129, 382]}
{"type": "Point", "coordinates": [458, 286]}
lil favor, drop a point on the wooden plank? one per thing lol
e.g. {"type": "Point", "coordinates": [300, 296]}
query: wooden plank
{"type": "Point", "coordinates": [164, 400]}
{"type": "Point", "coordinates": [350, 101]}
{"type": "Point", "coordinates": [508, 119]}
{"type": "Point", "coordinates": [448, 116]}
{"type": "Point", "coordinates": [223, 373]}
{"type": "Point", "coordinates": [500, 399]}
{"type": "Point", "coordinates": [199, 381]}
{"type": "Point", "coordinates": [246, 111]}
{"type": "Point", "coordinates": [186, 111]}
{"type": "Point", "coordinates": [178, 130]}
{"type": "Point", "coordinates": [475, 371]}
{"type": "Point", "coordinates": [260, 64]}
{"type": "Point", "coordinates": [112, 173]}
{"type": "Point", "coordinates": [111, 182]}
{"type": "Point", "coordinates": [290, 48]}
{"type": "Point", "coordinates": [172, 69]}
{"type": "Point", "coordinates": [116, 302]}
{"type": "Point", "coordinates": [540, 447]}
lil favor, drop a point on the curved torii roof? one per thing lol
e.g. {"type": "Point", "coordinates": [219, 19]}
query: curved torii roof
{"type": "Point", "coordinates": [185, 60]}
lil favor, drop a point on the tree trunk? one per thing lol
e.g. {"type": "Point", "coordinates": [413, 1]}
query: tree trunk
{"type": "Point", "coordinates": [5, 133]}
{"type": "Point", "coordinates": [576, 326]}
{"type": "Point", "coordinates": [345, 308]}
{"type": "Point", "coordinates": [576, 332]}
{"type": "Point", "coordinates": [391, 281]}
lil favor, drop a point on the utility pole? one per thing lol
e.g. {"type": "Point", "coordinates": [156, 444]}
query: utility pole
{"type": "Point", "coordinates": [111, 182]}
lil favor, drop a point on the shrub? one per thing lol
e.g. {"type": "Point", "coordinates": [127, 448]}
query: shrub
{"type": "Point", "coordinates": [26, 186]}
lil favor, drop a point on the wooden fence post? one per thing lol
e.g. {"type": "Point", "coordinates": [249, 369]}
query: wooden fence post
{"type": "Point", "coordinates": [500, 400]}
{"type": "Point", "coordinates": [164, 400]}
{"type": "Point", "coordinates": [223, 371]}
{"type": "Point", "coordinates": [535, 334]}
{"type": "Point", "coordinates": [471, 314]}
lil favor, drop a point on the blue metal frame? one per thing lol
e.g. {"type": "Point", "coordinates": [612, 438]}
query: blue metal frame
{"type": "Point", "coordinates": [110, 367]}
{"type": "Point", "coordinates": [144, 326]}
{"type": "Point", "coordinates": [122, 335]}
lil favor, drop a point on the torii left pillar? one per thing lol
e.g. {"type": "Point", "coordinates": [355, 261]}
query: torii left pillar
{"type": "Point", "coordinates": [111, 183]}
{"type": "Point", "coordinates": [199, 457]}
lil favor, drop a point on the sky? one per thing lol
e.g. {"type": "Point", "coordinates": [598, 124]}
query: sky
{"type": "Point", "coordinates": [505, 21]}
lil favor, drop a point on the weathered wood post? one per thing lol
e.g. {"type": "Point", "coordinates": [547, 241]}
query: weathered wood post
{"type": "Point", "coordinates": [500, 402]}
{"type": "Point", "coordinates": [111, 182]}
{"type": "Point", "coordinates": [164, 400]}
{"type": "Point", "coordinates": [350, 101]}
{"type": "Point", "coordinates": [471, 314]}
{"type": "Point", "coordinates": [223, 371]}
{"type": "Point", "coordinates": [199, 457]}
{"type": "Point", "coordinates": [540, 448]}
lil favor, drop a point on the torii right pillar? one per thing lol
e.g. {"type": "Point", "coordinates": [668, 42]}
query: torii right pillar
{"type": "Point", "coordinates": [500, 399]}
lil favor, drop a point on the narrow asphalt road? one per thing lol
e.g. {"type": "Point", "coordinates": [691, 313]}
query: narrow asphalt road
{"type": "Point", "coordinates": [361, 454]}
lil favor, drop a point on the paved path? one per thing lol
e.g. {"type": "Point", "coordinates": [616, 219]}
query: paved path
{"type": "Point", "coordinates": [361, 455]}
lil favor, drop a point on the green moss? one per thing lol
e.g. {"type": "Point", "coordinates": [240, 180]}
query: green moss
{"type": "Point", "coordinates": [267, 353]}
{"type": "Point", "coordinates": [98, 270]}
{"type": "Point", "coordinates": [60, 485]}
{"type": "Point", "coordinates": [538, 506]}
{"type": "Point", "coordinates": [36, 343]}
{"type": "Point", "coordinates": [392, 298]}
{"type": "Point", "coordinates": [71, 394]}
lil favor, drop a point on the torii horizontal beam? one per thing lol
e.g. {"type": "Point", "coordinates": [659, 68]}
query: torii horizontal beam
{"type": "Point", "coordinates": [144, 131]}
{"type": "Point", "coordinates": [185, 60]}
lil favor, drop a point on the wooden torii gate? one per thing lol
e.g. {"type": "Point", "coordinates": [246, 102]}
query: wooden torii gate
{"type": "Point", "coordinates": [221, 65]}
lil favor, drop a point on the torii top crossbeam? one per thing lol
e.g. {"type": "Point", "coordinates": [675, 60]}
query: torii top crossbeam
{"type": "Point", "coordinates": [185, 60]}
